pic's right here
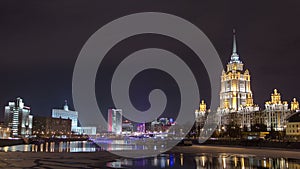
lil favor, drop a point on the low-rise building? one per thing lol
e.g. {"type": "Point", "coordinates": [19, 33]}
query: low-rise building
{"type": "Point", "coordinates": [85, 130]}
{"type": "Point", "coordinates": [293, 127]}
{"type": "Point", "coordinates": [4, 132]}
{"type": "Point", "coordinates": [127, 127]}
{"type": "Point", "coordinates": [162, 124]}
{"type": "Point", "coordinates": [50, 127]}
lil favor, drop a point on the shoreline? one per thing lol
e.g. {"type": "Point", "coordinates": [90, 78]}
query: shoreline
{"type": "Point", "coordinates": [252, 147]}
{"type": "Point", "coordinates": [219, 149]}
{"type": "Point", "coordinates": [101, 158]}
{"type": "Point", "coordinates": [194, 149]}
{"type": "Point", "coordinates": [252, 143]}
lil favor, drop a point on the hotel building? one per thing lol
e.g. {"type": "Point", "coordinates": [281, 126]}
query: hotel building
{"type": "Point", "coordinates": [236, 98]}
{"type": "Point", "coordinates": [235, 84]}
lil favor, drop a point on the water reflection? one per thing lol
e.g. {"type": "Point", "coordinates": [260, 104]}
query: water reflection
{"type": "Point", "coordinates": [73, 146]}
{"type": "Point", "coordinates": [207, 161]}
{"type": "Point", "coordinates": [174, 161]}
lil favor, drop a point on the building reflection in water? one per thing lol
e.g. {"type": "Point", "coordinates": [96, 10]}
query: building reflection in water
{"type": "Point", "coordinates": [174, 161]}
{"type": "Point", "coordinates": [181, 159]}
{"type": "Point", "coordinates": [209, 161]}
{"type": "Point", "coordinates": [74, 146]}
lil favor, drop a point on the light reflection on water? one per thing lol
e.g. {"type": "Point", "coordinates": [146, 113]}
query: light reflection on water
{"type": "Point", "coordinates": [174, 161]}
{"type": "Point", "coordinates": [70, 146]}
{"type": "Point", "coordinates": [207, 161]}
{"type": "Point", "coordinates": [75, 146]}
{"type": "Point", "coordinates": [130, 144]}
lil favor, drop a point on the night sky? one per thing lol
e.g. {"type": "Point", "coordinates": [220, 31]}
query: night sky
{"type": "Point", "coordinates": [40, 42]}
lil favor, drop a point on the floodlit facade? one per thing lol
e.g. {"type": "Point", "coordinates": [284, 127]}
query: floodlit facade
{"type": "Point", "coordinates": [293, 127]}
{"type": "Point", "coordinates": [85, 130]}
{"type": "Point", "coordinates": [115, 121]}
{"type": "Point", "coordinates": [66, 114]}
{"type": "Point", "coordinates": [17, 117]}
{"type": "Point", "coordinates": [294, 105]}
{"type": "Point", "coordinates": [276, 112]}
{"type": "Point", "coordinates": [235, 84]}
{"type": "Point", "coordinates": [73, 115]}
{"type": "Point", "coordinates": [4, 132]}
{"type": "Point", "coordinates": [201, 115]}
{"type": "Point", "coordinates": [236, 98]}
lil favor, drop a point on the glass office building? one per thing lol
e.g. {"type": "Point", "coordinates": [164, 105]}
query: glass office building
{"type": "Point", "coordinates": [115, 121]}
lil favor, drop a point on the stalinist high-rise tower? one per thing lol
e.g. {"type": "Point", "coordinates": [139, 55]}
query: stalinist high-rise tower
{"type": "Point", "coordinates": [235, 91]}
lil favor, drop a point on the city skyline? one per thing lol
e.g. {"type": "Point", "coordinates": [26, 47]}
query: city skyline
{"type": "Point", "coordinates": [37, 65]}
{"type": "Point", "coordinates": [149, 84]}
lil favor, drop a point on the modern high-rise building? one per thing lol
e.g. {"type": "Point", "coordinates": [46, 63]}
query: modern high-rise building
{"type": "Point", "coordinates": [235, 83]}
{"type": "Point", "coordinates": [66, 114]}
{"type": "Point", "coordinates": [17, 117]}
{"type": "Point", "coordinates": [115, 121]}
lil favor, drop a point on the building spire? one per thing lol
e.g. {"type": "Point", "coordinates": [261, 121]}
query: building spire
{"type": "Point", "coordinates": [234, 57]}
{"type": "Point", "coordinates": [234, 42]}
{"type": "Point", "coordinates": [66, 107]}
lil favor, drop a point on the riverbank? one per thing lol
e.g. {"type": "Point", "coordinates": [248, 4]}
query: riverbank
{"type": "Point", "coordinates": [55, 160]}
{"type": "Point", "coordinates": [43, 140]}
{"type": "Point", "coordinates": [260, 152]}
{"type": "Point", "coordinates": [11, 142]}
{"type": "Point", "coordinates": [252, 143]}
{"type": "Point", "coordinates": [99, 159]}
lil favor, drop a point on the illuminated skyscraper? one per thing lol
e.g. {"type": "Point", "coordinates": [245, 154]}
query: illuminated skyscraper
{"type": "Point", "coordinates": [235, 83]}
{"type": "Point", "coordinates": [236, 98]}
{"type": "Point", "coordinates": [17, 117]}
{"type": "Point", "coordinates": [115, 121]}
